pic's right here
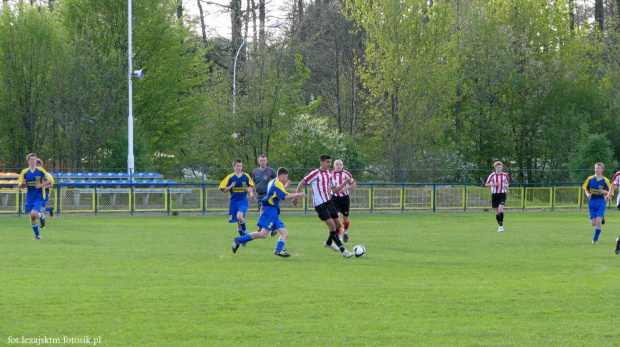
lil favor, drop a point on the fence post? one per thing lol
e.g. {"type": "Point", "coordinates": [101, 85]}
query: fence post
{"type": "Point", "coordinates": [204, 198]}
{"type": "Point", "coordinates": [552, 196]}
{"type": "Point", "coordinates": [19, 202]}
{"type": "Point", "coordinates": [402, 198]}
{"type": "Point", "coordinates": [168, 202]}
{"type": "Point", "coordinates": [96, 201]}
{"type": "Point", "coordinates": [464, 198]}
{"type": "Point", "coordinates": [434, 196]}
{"type": "Point", "coordinates": [372, 197]}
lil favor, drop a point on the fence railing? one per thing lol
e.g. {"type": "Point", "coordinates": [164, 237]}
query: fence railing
{"type": "Point", "coordinates": [206, 198]}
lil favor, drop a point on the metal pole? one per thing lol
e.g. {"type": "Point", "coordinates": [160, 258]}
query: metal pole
{"type": "Point", "coordinates": [130, 157]}
{"type": "Point", "coordinates": [235, 79]}
{"type": "Point", "coordinates": [235, 67]}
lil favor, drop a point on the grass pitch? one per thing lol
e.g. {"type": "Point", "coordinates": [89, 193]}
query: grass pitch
{"type": "Point", "coordinates": [427, 279]}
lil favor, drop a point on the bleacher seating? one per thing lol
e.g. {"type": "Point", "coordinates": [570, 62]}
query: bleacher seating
{"type": "Point", "coordinates": [87, 179]}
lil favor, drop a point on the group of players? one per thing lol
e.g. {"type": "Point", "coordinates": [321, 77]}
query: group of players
{"type": "Point", "coordinates": [38, 183]}
{"type": "Point", "coordinates": [330, 196]}
{"type": "Point", "coordinates": [330, 191]}
{"type": "Point", "coordinates": [597, 188]}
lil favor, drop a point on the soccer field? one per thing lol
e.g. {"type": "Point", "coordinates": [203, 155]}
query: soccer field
{"type": "Point", "coordinates": [427, 279]}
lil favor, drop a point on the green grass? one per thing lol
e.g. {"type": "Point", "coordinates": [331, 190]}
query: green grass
{"type": "Point", "coordinates": [427, 279]}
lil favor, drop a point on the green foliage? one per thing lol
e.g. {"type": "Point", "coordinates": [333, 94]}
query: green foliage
{"type": "Point", "coordinates": [309, 138]}
{"type": "Point", "coordinates": [592, 149]}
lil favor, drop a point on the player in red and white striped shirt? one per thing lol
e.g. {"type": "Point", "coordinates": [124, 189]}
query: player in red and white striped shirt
{"type": "Point", "coordinates": [341, 199]}
{"type": "Point", "coordinates": [323, 186]}
{"type": "Point", "coordinates": [498, 181]}
{"type": "Point", "coordinates": [615, 183]}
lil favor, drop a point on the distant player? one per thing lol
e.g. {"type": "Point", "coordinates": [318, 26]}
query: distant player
{"type": "Point", "coordinates": [499, 182]}
{"type": "Point", "coordinates": [323, 186]}
{"type": "Point", "coordinates": [237, 185]}
{"type": "Point", "coordinates": [33, 178]}
{"type": "Point", "coordinates": [270, 218]}
{"type": "Point", "coordinates": [47, 185]}
{"type": "Point", "coordinates": [341, 199]}
{"type": "Point", "coordinates": [597, 187]}
{"type": "Point", "coordinates": [615, 183]}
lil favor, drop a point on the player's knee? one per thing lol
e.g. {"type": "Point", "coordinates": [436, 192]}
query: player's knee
{"type": "Point", "coordinates": [283, 234]}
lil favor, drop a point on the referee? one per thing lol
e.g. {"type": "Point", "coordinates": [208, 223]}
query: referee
{"type": "Point", "coordinates": [261, 176]}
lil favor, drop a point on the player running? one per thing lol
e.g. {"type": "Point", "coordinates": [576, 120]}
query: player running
{"type": "Point", "coordinates": [597, 187]}
{"type": "Point", "coordinates": [237, 185]}
{"type": "Point", "coordinates": [33, 178]}
{"type": "Point", "coordinates": [499, 182]}
{"type": "Point", "coordinates": [323, 186]}
{"type": "Point", "coordinates": [341, 199]}
{"type": "Point", "coordinates": [270, 218]}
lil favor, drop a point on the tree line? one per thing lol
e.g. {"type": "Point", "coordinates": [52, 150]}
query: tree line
{"type": "Point", "coordinates": [384, 85]}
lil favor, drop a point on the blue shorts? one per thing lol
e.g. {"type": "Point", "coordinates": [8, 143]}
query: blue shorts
{"type": "Point", "coordinates": [270, 219]}
{"type": "Point", "coordinates": [235, 207]}
{"type": "Point", "coordinates": [33, 205]}
{"type": "Point", "coordinates": [597, 208]}
{"type": "Point", "coordinates": [44, 203]}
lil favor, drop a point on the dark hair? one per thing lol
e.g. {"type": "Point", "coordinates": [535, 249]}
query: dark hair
{"type": "Point", "coordinates": [237, 161]}
{"type": "Point", "coordinates": [324, 157]}
{"type": "Point", "coordinates": [282, 171]}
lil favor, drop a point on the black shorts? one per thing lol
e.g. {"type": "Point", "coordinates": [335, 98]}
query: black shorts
{"type": "Point", "coordinates": [498, 199]}
{"type": "Point", "coordinates": [342, 204]}
{"type": "Point", "coordinates": [326, 211]}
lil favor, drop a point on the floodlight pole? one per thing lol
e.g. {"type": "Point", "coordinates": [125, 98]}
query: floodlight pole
{"type": "Point", "coordinates": [130, 157]}
{"type": "Point", "coordinates": [275, 25]}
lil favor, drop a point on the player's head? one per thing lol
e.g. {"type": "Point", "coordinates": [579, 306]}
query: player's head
{"type": "Point", "coordinates": [31, 159]}
{"type": "Point", "coordinates": [282, 174]}
{"type": "Point", "coordinates": [599, 167]}
{"type": "Point", "coordinates": [39, 162]}
{"type": "Point", "coordinates": [498, 165]}
{"type": "Point", "coordinates": [338, 165]}
{"type": "Point", "coordinates": [326, 161]}
{"type": "Point", "coordinates": [262, 160]}
{"type": "Point", "coordinates": [237, 165]}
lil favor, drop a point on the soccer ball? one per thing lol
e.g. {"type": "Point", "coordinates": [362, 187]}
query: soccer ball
{"type": "Point", "coordinates": [359, 251]}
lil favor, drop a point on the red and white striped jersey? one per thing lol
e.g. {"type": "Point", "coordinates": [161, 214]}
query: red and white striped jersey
{"type": "Point", "coordinates": [502, 179]}
{"type": "Point", "coordinates": [322, 183]}
{"type": "Point", "coordinates": [616, 179]}
{"type": "Point", "coordinates": [339, 178]}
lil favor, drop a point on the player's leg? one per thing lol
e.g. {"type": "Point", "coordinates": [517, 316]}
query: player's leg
{"type": "Point", "coordinates": [344, 209]}
{"type": "Point", "coordinates": [242, 208]}
{"type": "Point", "coordinates": [42, 216]}
{"type": "Point", "coordinates": [32, 209]}
{"type": "Point", "coordinates": [279, 251]}
{"type": "Point", "coordinates": [597, 213]}
{"type": "Point", "coordinates": [334, 216]}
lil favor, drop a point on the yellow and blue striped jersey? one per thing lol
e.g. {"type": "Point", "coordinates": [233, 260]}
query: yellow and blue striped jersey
{"type": "Point", "coordinates": [595, 186]}
{"type": "Point", "coordinates": [37, 176]}
{"type": "Point", "coordinates": [275, 193]}
{"type": "Point", "coordinates": [241, 183]}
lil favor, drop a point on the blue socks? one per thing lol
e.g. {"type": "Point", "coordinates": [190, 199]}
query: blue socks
{"type": "Point", "coordinates": [244, 238]}
{"type": "Point", "coordinates": [35, 227]}
{"type": "Point", "coordinates": [597, 232]}
{"type": "Point", "coordinates": [280, 245]}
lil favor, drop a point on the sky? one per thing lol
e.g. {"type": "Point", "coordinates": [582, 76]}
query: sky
{"type": "Point", "coordinates": [218, 21]}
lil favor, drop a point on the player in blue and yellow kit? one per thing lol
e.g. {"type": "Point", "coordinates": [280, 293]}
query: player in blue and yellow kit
{"type": "Point", "coordinates": [237, 185]}
{"type": "Point", "coordinates": [46, 186]}
{"type": "Point", "coordinates": [33, 178]}
{"type": "Point", "coordinates": [596, 188]}
{"type": "Point", "coordinates": [270, 218]}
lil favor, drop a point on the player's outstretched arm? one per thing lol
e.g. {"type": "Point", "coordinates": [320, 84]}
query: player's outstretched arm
{"type": "Point", "coordinates": [295, 196]}
{"type": "Point", "coordinates": [300, 187]}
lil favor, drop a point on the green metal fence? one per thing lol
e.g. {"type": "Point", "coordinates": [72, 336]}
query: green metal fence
{"type": "Point", "coordinates": [206, 198]}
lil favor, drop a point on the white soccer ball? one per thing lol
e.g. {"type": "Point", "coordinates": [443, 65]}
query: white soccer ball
{"type": "Point", "coordinates": [359, 251]}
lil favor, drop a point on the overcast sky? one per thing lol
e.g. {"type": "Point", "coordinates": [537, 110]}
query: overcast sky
{"type": "Point", "coordinates": [218, 21]}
